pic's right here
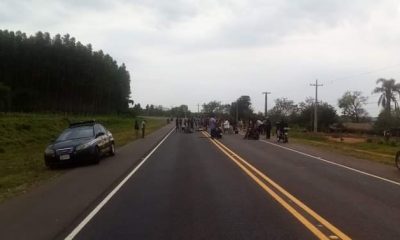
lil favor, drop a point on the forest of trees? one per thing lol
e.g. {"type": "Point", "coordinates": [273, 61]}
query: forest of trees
{"type": "Point", "coordinates": [59, 74]}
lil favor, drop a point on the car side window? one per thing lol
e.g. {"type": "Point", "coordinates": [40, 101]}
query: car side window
{"type": "Point", "coordinates": [97, 129]}
{"type": "Point", "coordinates": [102, 129]}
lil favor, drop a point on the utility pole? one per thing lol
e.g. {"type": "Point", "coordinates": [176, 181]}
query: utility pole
{"type": "Point", "coordinates": [316, 85]}
{"type": "Point", "coordinates": [198, 108]}
{"type": "Point", "coordinates": [266, 103]}
{"type": "Point", "coordinates": [237, 112]}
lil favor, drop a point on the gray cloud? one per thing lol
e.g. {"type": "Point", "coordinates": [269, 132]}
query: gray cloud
{"type": "Point", "coordinates": [186, 46]}
{"type": "Point", "coordinates": [268, 22]}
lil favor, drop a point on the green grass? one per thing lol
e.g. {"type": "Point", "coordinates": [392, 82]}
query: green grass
{"type": "Point", "coordinates": [23, 138]}
{"type": "Point", "coordinates": [375, 149]}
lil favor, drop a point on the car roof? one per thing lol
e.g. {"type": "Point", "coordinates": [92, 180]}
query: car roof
{"type": "Point", "coordinates": [84, 123]}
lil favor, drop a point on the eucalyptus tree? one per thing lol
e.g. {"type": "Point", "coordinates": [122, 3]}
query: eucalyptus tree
{"type": "Point", "coordinates": [60, 74]}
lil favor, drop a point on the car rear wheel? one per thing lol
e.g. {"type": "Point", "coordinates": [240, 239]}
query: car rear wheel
{"type": "Point", "coordinates": [397, 161]}
{"type": "Point", "coordinates": [112, 149]}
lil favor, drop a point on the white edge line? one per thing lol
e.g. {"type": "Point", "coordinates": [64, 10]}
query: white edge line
{"type": "Point", "coordinates": [112, 193]}
{"type": "Point", "coordinates": [333, 163]}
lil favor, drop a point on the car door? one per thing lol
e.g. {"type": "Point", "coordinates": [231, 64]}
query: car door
{"type": "Point", "coordinates": [106, 137]}
{"type": "Point", "coordinates": [109, 135]}
{"type": "Point", "coordinates": [99, 137]}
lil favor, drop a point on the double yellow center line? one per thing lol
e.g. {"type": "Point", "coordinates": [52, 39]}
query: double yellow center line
{"type": "Point", "coordinates": [310, 219]}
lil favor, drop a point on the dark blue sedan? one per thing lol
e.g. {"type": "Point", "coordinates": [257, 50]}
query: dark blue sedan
{"type": "Point", "coordinates": [81, 142]}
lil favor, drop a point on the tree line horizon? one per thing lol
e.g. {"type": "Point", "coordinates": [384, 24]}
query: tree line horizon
{"type": "Point", "coordinates": [351, 104]}
{"type": "Point", "coordinates": [40, 73]}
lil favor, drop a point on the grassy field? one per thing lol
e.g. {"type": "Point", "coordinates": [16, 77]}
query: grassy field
{"type": "Point", "coordinates": [367, 147]}
{"type": "Point", "coordinates": [23, 138]}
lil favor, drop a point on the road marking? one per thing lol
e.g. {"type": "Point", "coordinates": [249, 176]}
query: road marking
{"type": "Point", "coordinates": [333, 163]}
{"type": "Point", "coordinates": [113, 192]}
{"type": "Point", "coordinates": [322, 222]}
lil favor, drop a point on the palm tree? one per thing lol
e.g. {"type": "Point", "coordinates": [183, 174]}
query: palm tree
{"type": "Point", "coordinates": [388, 89]}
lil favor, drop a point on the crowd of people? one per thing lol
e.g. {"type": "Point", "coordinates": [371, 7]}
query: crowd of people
{"type": "Point", "coordinates": [215, 125]}
{"type": "Point", "coordinates": [189, 125]}
{"type": "Point", "coordinates": [253, 129]}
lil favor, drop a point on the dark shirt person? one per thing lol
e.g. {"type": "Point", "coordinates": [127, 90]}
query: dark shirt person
{"type": "Point", "coordinates": [268, 127]}
{"type": "Point", "coordinates": [136, 128]}
{"type": "Point", "coordinates": [281, 127]}
{"type": "Point", "coordinates": [213, 126]}
{"type": "Point", "coordinates": [143, 127]}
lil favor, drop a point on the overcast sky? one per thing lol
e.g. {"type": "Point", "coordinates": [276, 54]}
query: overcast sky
{"type": "Point", "coordinates": [191, 52]}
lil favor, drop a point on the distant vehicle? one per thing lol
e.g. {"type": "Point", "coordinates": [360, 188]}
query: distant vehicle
{"type": "Point", "coordinates": [81, 142]}
{"type": "Point", "coordinates": [397, 160]}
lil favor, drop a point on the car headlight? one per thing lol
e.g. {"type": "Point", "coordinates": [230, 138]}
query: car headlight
{"type": "Point", "coordinates": [84, 146]}
{"type": "Point", "coordinates": [49, 151]}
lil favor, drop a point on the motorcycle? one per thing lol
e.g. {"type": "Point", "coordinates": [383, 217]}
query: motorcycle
{"type": "Point", "coordinates": [283, 135]}
{"type": "Point", "coordinates": [216, 133]}
{"type": "Point", "coordinates": [252, 133]}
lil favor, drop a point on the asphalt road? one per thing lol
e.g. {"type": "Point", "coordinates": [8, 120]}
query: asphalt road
{"type": "Point", "coordinates": [195, 188]}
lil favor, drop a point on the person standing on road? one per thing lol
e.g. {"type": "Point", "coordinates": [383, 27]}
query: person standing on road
{"type": "Point", "coordinates": [268, 127]}
{"type": "Point", "coordinates": [143, 126]}
{"type": "Point", "coordinates": [213, 125]}
{"type": "Point", "coordinates": [136, 128]}
{"type": "Point", "coordinates": [180, 124]}
{"type": "Point", "coordinates": [176, 124]}
{"type": "Point", "coordinates": [226, 126]}
{"type": "Point", "coordinates": [240, 125]}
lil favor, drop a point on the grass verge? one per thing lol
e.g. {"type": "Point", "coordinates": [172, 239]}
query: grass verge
{"type": "Point", "coordinates": [374, 150]}
{"type": "Point", "coordinates": [23, 138]}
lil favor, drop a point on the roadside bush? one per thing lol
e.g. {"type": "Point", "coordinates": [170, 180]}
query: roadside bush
{"type": "Point", "coordinates": [369, 140]}
{"type": "Point", "coordinates": [386, 121]}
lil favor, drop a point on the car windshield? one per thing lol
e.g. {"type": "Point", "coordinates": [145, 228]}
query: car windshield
{"type": "Point", "coordinates": [76, 132]}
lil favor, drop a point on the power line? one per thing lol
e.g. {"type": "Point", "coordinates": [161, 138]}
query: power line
{"type": "Point", "coordinates": [365, 73]}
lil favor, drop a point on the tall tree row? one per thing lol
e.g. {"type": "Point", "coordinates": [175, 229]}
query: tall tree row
{"type": "Point", "coordinates": [41, 73]}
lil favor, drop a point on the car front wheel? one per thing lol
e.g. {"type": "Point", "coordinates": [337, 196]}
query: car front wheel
{"type": "Point", "coordinates": [112, 149]}
{"type": "Point", "coordinates": [398, 160]}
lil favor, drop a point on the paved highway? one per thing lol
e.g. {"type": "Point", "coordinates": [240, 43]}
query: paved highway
{"type": "Point", "coordinates": [192, 187]}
